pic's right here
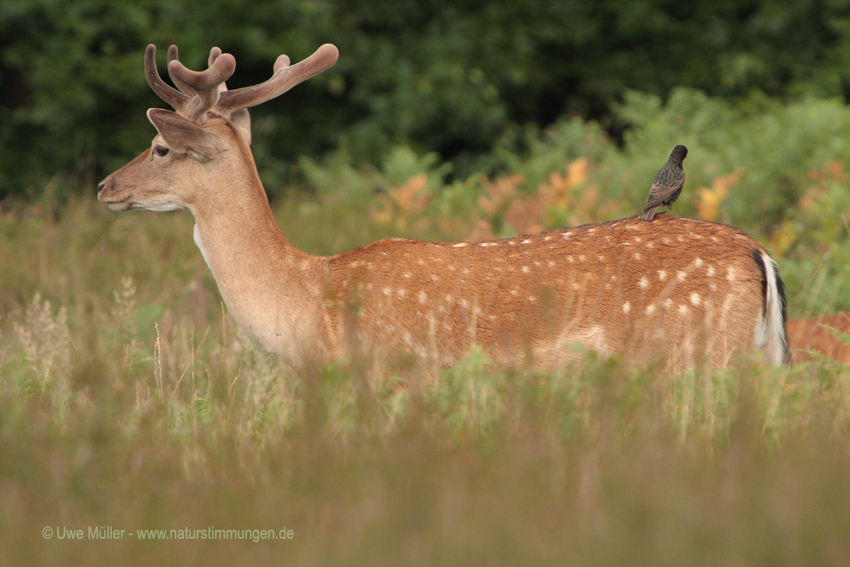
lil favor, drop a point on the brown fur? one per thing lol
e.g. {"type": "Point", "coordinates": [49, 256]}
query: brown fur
{"type": "Point", "coordinates": [812, 334]}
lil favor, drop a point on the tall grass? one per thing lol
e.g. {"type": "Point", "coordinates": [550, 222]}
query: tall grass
{"type": "Point", "coordinates": [128, 399]}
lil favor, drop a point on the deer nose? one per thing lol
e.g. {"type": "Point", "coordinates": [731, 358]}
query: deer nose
{"type": "Point", "coordinates": [100, 186]}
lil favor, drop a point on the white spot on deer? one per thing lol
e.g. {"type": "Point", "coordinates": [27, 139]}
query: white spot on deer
{"type": "Point", "coordinates": [514, 292]}
{"type": "Point", "coordinates": [680, 238]}
{"type": "Point", "coordinates": [591, 230]}
{"type": "Point", "coordinates": [627, 307]}
{"type": "Point", "coordinates": [451, 268]}
{"type": "Point", "coordinates": [550, 263]}
{"type": "Point", "coordinates": [460, 245]}
{"type": "Point", "coordinates": [637, 239]}
{"type": "Point", "coordinates": [526, 241]}
{"type": "Point", "coordinates": [567, 235]}
{"type": "Point", "coordinates": [662, 275]}
{"type": "Point", "coordinates": [531, 299]}
{"type": "Point", "coordinates": [407, 338]}
{"type": "Point", "coordinates": [407, 275]}
{"type": "Point", "coordinates": [575, 286]}
{"type": "Point", "coordinates": [464, 303]}
{"type": "Point", "coordinates": [698, 262]}
{"type": "Point", "coordinates": [712, 286]}
{"type": "Point", "coordinates": [710, 271]}
{"type": "Point", "coordinates": [637, 255]}
{"type": "Point", "coordinates": [644, 283]}
{"type": "Point", "coordinates": [402, 292]}
{"type": "Point", "coordinates": [449, 298]}
{"type": "Point", "coordinates": [683, 309]}
{"type": "Point", "coordinates": [730, 274]}
{"type": "Point", "coordinates": [681, 276]}
{"type": "Point", "coordinates": [511, 242]}
{"type": "Point", "coordinates": [420, 261]}
{"type": "Point", "coordinates": [668, 303]}
{"type": "Point", "coordinates": [650, 244]}
{"type": "Point", "coordinates": [665, 240]}
{"type": "Point", "coordinates": [600, 257]}
{"type": "Point", "coordinates": [650, 309]}
{"type": "Point", "coordinates": [570, 260]}
{"type": "Point", "coordinates": [581, 258]}
{"type": "Point", "coordinates": [387, 291]}
{"type": "Point", "coordinates": [525, 269]}
{"type": "Point", "coordinates": [547, 238]}
{"type": "Point", "coordinates": [695, 299]}
{"type": "Point", "coordinates": [423, 297]}
{"type": "Point", "coordinates": [538, 263]}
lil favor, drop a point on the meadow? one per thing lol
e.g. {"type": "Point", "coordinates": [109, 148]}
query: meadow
{"type": "Point", "coordinates": [130, 402]}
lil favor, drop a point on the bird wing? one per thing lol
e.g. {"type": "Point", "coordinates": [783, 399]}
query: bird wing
{"type": "Point", "coordinates": [656, 196]}
{"type": "Point", "coordinates": [665, 184]}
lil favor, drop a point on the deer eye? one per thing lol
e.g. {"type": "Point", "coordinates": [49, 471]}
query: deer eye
{"type": "Point", "coordinates": [159, 150]}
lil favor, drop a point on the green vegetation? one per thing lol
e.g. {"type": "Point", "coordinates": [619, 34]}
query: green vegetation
{"type": "Point", "coordinates": [455, 77]}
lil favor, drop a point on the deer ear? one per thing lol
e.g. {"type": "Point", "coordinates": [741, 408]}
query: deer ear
{"type": "Point", "coordinates": [185, 136]}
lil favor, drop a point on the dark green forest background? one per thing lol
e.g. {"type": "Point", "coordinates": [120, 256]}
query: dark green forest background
{"type": "Point", "coordinates": [460, 78]}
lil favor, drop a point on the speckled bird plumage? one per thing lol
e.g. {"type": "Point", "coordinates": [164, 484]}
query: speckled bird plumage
{"type": "Point", "coordinates": [667, 184]}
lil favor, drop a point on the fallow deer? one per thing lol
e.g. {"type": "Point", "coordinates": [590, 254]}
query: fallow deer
{"type": "Point", "coordinates": [675, 292]}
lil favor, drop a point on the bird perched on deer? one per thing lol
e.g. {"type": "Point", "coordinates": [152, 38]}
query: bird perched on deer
{"type": "Point", "coordinates": [667, 184]}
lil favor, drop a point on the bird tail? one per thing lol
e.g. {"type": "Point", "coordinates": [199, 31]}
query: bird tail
{"type": "Point", "coordinates": [649, 215]}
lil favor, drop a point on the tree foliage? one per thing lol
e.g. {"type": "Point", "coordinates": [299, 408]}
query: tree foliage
{"type": "Point", "coordinates": [459, 78]}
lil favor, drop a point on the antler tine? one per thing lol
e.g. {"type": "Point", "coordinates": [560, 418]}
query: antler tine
{"type": "Point", "coordinates": [215, 52]}
{"type": "Point", "coordinates": [174, 55]}
{"type": "Point", "coordinates": [284, 78]}
{"type": "Point", "coordinates": [204, 83]}
{"type": "Point", "coordinates": [166, 92]}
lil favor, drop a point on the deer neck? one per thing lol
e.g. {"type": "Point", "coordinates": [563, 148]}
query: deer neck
{"type": "Point", "coordinates": [269, 286]}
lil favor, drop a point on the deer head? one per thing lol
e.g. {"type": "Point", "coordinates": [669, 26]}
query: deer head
{"type": "Point", "coordinates": [207, 135]}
